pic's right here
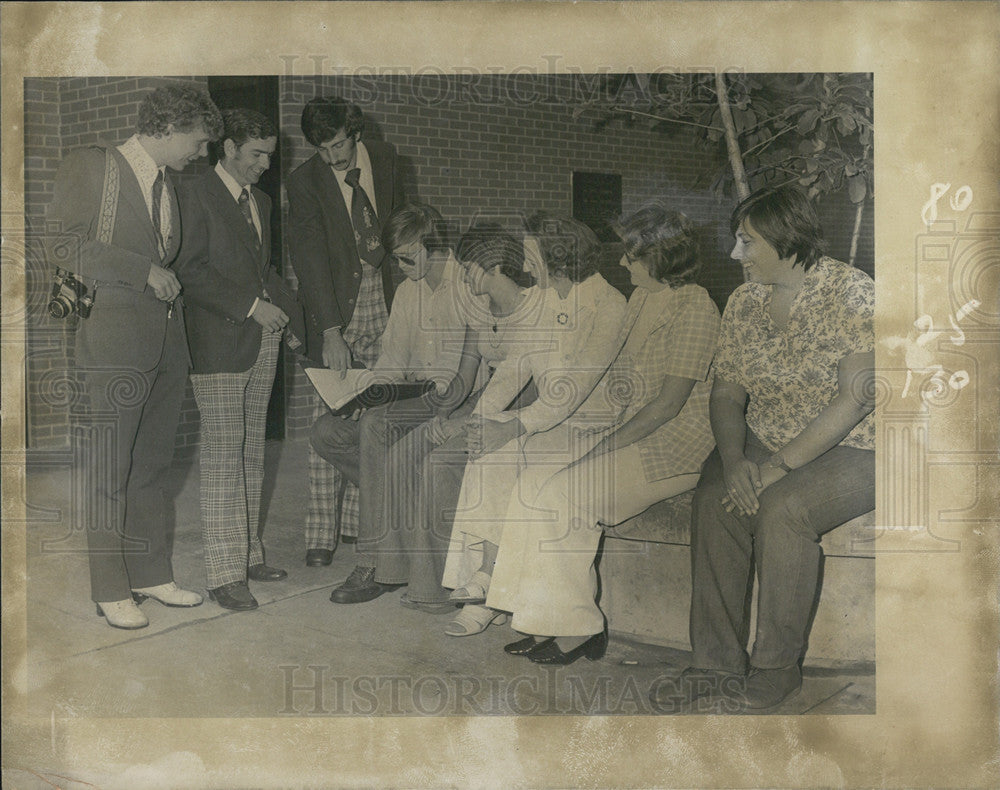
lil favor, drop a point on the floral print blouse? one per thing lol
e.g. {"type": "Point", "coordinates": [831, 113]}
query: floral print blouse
{"type": "Point", "coordinates": [790, 374]}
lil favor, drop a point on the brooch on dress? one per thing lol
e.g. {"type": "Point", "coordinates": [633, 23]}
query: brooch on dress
{"type": "Point", "coordinates": [562, 318]}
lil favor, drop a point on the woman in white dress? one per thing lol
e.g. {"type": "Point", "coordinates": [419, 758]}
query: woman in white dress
{"type": "Point", "coordinates": [544, 572]}
{"type": "Point", "coordinates": [576, 339]}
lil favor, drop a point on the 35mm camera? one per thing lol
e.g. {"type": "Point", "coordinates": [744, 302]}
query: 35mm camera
{"type": "Point", "coordinates": [69, 296]}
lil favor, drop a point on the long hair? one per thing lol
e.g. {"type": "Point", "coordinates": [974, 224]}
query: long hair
{"type": "Point", "coordinates": [415, 222]}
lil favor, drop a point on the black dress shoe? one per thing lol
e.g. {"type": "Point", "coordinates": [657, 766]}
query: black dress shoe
{"type": "Point", "coordinates": [317, 557]}
{"type": "Point", "coordinates": [524, 647]}
{"type": "Point", "coordinates": [264, 573]}
{"type": "Point", "coordinates": [235, 596]}
{"type": "Point", "coordinates": [549, 653]}
{"type": "Point", "coordinates": [360, 587]}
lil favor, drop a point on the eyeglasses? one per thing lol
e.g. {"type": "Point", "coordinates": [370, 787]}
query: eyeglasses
{"type": "Point", "coordinates": [404, 260]}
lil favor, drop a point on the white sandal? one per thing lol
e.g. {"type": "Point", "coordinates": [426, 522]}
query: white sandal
{"type": "Point", "coordinates": [474, 591]}
{"type": "Point", "coordinates": [473, 620]}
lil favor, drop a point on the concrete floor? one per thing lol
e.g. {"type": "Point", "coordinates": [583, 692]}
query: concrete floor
{"type": "Point", "coordinates": [299, 654]}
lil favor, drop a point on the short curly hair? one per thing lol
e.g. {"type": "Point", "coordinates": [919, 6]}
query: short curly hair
{"type": "Point", "coordinates": [569, 248]}
{"type": "Point", "coordinates": [663, 240]}
{"type": "Point", "coordinates": [324, 116]}
{"type": "Point", "coordinates": [180, 106]}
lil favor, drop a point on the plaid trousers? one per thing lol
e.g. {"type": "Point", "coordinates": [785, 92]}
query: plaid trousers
{"type": "Point", "coordinates": [363, 336]}
{"type": "Point", "coordinates": [233, 409]}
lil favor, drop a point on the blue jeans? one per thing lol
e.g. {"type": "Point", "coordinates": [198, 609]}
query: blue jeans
{"type": "Point", "coordinates": [781, 541]}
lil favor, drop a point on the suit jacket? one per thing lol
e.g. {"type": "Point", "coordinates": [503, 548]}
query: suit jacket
{"type": "Point", "coordinates": [127, 324]}
{"type": "Point", "coordinates": [321, 239]}
{"type": "Point", "coordinates": [223, 271]}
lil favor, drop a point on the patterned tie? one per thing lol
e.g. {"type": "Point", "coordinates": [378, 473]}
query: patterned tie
{"type": "Point", "coordinates": [244, 202]}
{"type": "Point", "coordinates": [367, 231]}
{"type": "Point", "coordinates": [155, 211]}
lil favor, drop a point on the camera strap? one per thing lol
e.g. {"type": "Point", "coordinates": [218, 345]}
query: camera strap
{"type": "Point", "coordinates": [109, 198]}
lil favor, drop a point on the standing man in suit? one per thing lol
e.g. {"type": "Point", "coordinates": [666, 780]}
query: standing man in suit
{"type": "Point", "coordinates": [118, 233]}
{"type": "Point", "coordinates": [337, 201]}
{"type": "Point", "coordinates": [233, 333]}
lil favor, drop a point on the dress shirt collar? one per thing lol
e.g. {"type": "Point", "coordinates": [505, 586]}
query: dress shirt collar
{"type": "Point", "coordinates": [453, 275]}
{"type": "Point", "coordinates": [141, 162]}
{"type": "Point", "coordinates": [231, 183]}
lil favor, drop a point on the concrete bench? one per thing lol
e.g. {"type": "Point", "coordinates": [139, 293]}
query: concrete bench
{"type": "Point", "coordinates": [645, 570]}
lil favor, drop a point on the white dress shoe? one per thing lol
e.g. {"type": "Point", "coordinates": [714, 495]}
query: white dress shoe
{"type": "Point", "coordinates": [168, 594]}
{"type": "Point", "coordinates": [122, 614]}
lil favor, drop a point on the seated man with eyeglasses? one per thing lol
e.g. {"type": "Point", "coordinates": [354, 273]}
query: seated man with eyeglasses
{"type": "Point", "coordinates": [423, 341]}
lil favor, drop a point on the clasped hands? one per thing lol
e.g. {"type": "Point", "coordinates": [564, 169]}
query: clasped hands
{"type": "Point", "coordinates": [745, 481]}
{"type": "Point", "coordinates": [483, 435]}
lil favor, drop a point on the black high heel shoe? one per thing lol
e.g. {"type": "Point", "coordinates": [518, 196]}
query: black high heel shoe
{"type": "Point", "coordinates": [526, 646]}
{"type": "Point", "coordinates": [549, 653]}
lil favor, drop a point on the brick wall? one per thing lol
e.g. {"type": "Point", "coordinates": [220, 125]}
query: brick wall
{"type": "Point", "coordinates": [511, 144]}
{"type": "Point", "coordinates": [47, 352]}
{"type": "Point", "coordinates": [503, 145]}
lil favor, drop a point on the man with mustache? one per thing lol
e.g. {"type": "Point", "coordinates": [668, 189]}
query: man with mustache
{"type": "Point", "coordinates": [337, 202]}
{"type": "Point", "coordinates": [233, 331]}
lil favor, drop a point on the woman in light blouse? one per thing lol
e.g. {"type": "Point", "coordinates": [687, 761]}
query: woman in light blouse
{"type": "Point", "coordinates": [576, 339]}
{"type": "Point", "coordinates": [793, 418]}
{"type": "Point", "coordinates": [661, 381]}
{"type": "Point", "coordinates": [424, 468]}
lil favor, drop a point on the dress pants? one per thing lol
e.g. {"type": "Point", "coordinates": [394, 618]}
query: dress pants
{"type": "Point", "coordinates": [544, 573]}
{"type": "Point", "coordinates": [359, 449]}
{"type": "Point", "coordinates": [129, 448]}
{"type": "Point", "coordinates": [233, 409]}
{"type": "Point", "coordinates": [427, 480]}
{"type": "Point", "coordinates": [782, 542]}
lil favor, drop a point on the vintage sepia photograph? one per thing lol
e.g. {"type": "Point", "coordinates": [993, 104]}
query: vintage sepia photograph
{"type": "Point", "coordinates": [428, 404]}
{"type": "Point", "coordinates": [561, 446]}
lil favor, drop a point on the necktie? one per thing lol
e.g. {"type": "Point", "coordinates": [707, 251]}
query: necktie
{"type": "Point", "coordinates": [244, 203]}
{"type": "Point", "coordinates": [367, 231]}
{"type": "Point", "coordinates": [155, 211]}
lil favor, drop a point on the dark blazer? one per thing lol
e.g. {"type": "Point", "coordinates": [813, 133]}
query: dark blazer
{"type": "Point", "coordinates": [321, 240]}
{"type": "Point", "coordinates": [127, 323]}
{"type": "Point", "coordinates": [222, 271]}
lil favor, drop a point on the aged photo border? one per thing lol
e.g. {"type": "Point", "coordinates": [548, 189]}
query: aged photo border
{"type": "Point", "coordinates": [935, 67]}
